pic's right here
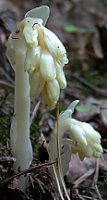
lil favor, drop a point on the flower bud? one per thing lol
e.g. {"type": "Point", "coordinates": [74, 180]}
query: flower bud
{"type": "Point", "coordinates": [29, 32]}
{"type": "Point", "coordinates": [55, 47]}
{"type": "Point", "coordinates": [47, 67]}
{"type": "Point", "coordinates": [90, 132]}
{"type": "Point", "coordinates": [48, 101]}
{"type": "Point", "coordinates": [53, 90]}
{"type": "Point", "coordinates": [36, 84]}
{"type": "Point", "coordinates": [78, 134]}
{"type": "Point", "coordinates": [32, 60]}
{"type": "Point", "coordinates": [60, 76]}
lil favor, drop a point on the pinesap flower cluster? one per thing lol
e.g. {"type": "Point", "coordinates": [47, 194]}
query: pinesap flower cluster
{"type": "Point", "coordinates": [84, 140]}
{"type": "Point", "coordinates": [44, 60]}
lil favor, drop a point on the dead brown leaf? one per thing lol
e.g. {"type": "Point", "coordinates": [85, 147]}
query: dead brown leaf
{"type": "Point", "coordinates": [79, 171]}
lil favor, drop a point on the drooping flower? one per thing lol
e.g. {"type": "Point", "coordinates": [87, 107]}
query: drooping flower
{"type": "Point", "coordinates": [44, 60]}
{"type": "Point", "coordinates": [83, 138]}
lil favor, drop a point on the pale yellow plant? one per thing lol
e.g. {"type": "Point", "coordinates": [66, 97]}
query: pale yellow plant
{"type": "Point", "coordinates": [37, 57]}
{"type": "Point", "coordinates": [82, 139]}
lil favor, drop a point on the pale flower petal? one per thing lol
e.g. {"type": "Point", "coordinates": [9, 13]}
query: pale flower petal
{"type": "Point", "coordinates": [82, 150]}
{"type": "Point", "coordinates": [49, 102]}
{"type": "Point", "coordinates": [32, 61]}
{"type": "Point", "coordinates": [96, 154]}
{"type": "Point", "coordinates": [41, 12]}
{"type": "Point", "coordinates": [78, 135]}
{"type": "Point", "coordinates": [53, 90]}
{"type": "Point", "coordinates": [55, 47]}
{"type": "Point", "coordinates": [77, 149]}
{"type": "Point", "coordinates": [98, 147]}
{"type": "Point", "coordinates": [69, 111]}
{"type": "Point", "coordinates": [88, 150]}
{"type": "Point", "coordinates": [91, 133]}
{"type": "Point", "coordinates": [47, 66]}
{"type": "Point", "coordinates": [36, 84]}
{"type": "Point", "coordinates": [60, 76]}
{"type": "Point", "coordinates": [29, 32]}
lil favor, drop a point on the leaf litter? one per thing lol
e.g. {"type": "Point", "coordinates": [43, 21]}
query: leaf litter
{"type": "Point", "coordinates": [83, 23]}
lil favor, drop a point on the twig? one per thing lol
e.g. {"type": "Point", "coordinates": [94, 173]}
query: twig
{"type": "Point", "coordinates": [98, 193]}
{"type": "Point", "coordinates": [31, 169]}
{"type": "Point", "coordinates": [34, 112]}
{"type": "Point", "coordinates": [96, 179]}
{"type": "Point", "coordinates": [96, 172]}
{"type": "Point", "coordinates": [90, 198]}
{"type": "Point", "coordinates": [6, 84]}
{"type": "Point", "coordinates": [83, 178]}
{"type": "Point", "coordinates": [40, 185]}
{"type": "Point", "coordinates": [79, 196]}
{"type": "Point", "coordinates": [6, 75]}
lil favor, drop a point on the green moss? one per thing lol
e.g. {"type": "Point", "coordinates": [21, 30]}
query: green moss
{"type": "Point", "coordinates": [103, 2]}
{"type": "Point", "coordinates": [5, 123]}
{"type": "Point", "coordinates": [35, 133]}
{"type": "Point", "coordinates": [94, 73]}
{"type": "Point", "coordinates": [103, 185]}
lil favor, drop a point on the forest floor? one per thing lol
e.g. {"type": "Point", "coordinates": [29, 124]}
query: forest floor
{"type": "Point", "coordinates": [82, 27]}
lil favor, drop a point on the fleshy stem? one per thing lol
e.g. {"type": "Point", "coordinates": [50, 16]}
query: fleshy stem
{"type": "Point", "coordinates": [22, 149]}
{"type": "Point", "coordinates": [59, 156]}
